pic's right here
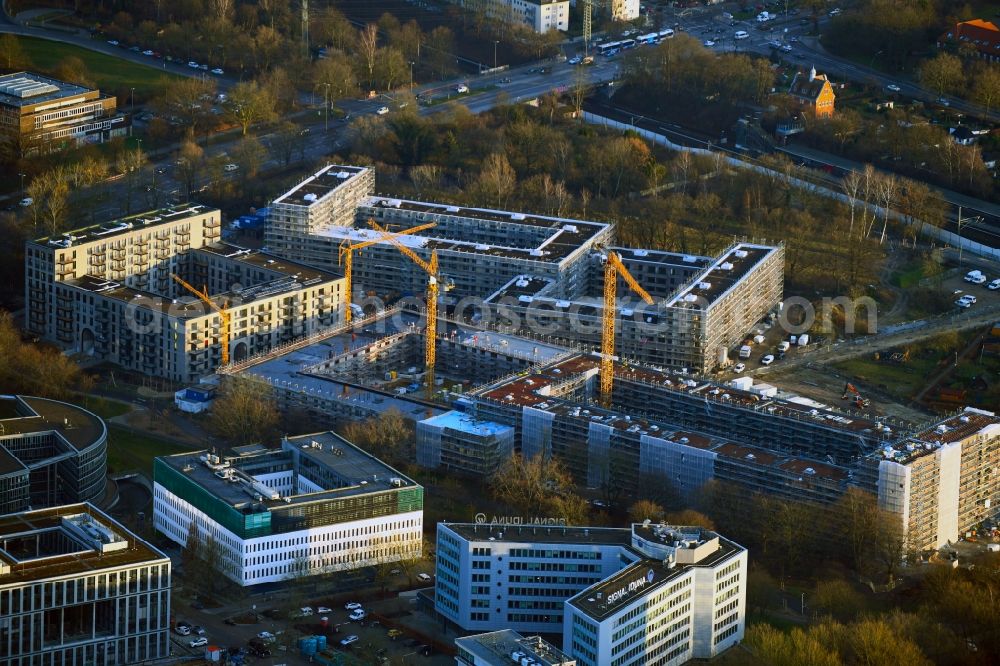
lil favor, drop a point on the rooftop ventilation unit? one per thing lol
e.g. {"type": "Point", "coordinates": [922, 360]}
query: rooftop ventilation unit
{"type": "Point", "coordinates": [809, 470]}
{"type": "Point", "coordinates": [570, 228]}
{"type": "Point", "coordinates": [741, 254]}
{"type": "Point", "coordinates": [726, 266]}
{"type": "Point", "coordinates": [453, 209]}
{"type": "Point", "coordinates": [310, 197]}
{"type": "Point", "coordinates": [517, 216]}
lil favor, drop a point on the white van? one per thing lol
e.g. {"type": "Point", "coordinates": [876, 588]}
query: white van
{"type": "Point", "coordinates": [741, 34]}
{"type": "Point", "coordinates": [745, 351]}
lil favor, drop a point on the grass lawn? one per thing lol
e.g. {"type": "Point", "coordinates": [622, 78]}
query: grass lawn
{"type": "Point", "coordinates": [901, 380]}
{"type": "Point", "coordinates": [103, 407]}
{"type": "Point", "coordinates": [915, 270]}
{"type": "Point", "coordinates": [129, 450]}
{"type": "Point", "coordinates": [112, 75]}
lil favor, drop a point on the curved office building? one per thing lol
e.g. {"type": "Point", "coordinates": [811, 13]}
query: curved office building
{"type": "Point", "coordinates": [51, 453]}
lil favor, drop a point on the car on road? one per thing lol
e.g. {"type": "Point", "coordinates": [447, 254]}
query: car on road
{"type": "Point", "coordinates": [785, 48]}
{"type": "Point", "coordinates": [27, 201]}
{"type": "Point", "coordinates": [892, 87]}
{"type": "Point", "coordinates": [943, 101]}
{"type": "Point", "coordinates": [218, 71]}
{"type": "Point", "coordinates": [461, 89]}
{"type": "Point", "coordinates": [382, 110]}
{"type": "Point", "coordinates": [266, 636]}
{"type": "Point", "coordinates": [113, 42]}
{"type": "Point", "coordinates": [182, 630]}
{"type": "Point", "coordinates": [148, 52]}
{"type": "Point", "coordinates": [352, 605]}
{"type": "Point", "coordinates": [767, 360]}
{"type": "Point", "coordinates": [357, 614]}
{"type": "Point", "coordinates": [741, 34]}
{"type": "Point", "coordinates": [199, 642]}
{"type": "Point", "coordinates": [347, 640]}
{"type": "Point", "coordinates": [198, 630]}
{"type": "Point", "coordinates": [423, 577]}
{"type": "Point", "coordinates": [739, 367]}
{"type": "Point", "coordinates": [305, 611]}
{"type": "Point", "coordinates": [231, 167]}
{"type": "Point", "coordinates": [575, 60]}
{"type": "Point", "coordinates": [994, 285]}
{"type": "Point", "coordinates": [323, 610]}
{"type": "Point", "coordinates": [709, 42]}
{"type": "Point", "coordinates": [192, 64]}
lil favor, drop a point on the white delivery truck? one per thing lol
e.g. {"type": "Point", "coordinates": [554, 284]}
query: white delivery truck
{"type": "Point", "coordinates": [745, 351]}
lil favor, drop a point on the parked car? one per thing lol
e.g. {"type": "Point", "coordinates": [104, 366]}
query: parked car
{"type": "Point", "coordinates": [192, 64]}
{"type": "Point", "coordinates": [113, 42]}
{"type": "Point", "coordinates": [575, 60]}
{"type": "Point", "coordinates": [323, 610]}
{"type": "Point", "coordinates": [231, 167]}
{"type": "Point", "coordinates": [347, 640]}
{"type": "Point", "coordinates": [147, 52]}
{"type": "Point", "coordinates": [963, 303]}
{"type": "Point", "coordinates": [27, 201]}
{"type": "Point", "coordinates": [199, 642]}
{"type": "Point", "coordinates": [462, 89]}
{"type": "Point", "coordinates": [739, 367]}
{"type": "Point", "coordinates": [709, 42]}
{"type": "Point", "coordinates": [784, 345]}
{"type": "Point", "coordinates": [423, 577]}
{"type": "Point", "coordinates": [266, 636]}
{"type": "Point", "coordinates": [204, 67]}
{"type": "Point", "coordinates": [970, 298]}
{"type": "Point", "coordinates": [357, 614]}
{"type": "Point", "coordinates": [767, 360]}
{"type": "Point", "coordinates": [305, 611]}
{"type": "Point", "coordinates": [218, 71]}
{"type": "Point", "coordinates": [741, 34]}
{"type": "Point", "coordinates": [994, 285]}
{"type": "Point", "coordinates": [182, 630]}
{"type": "Point", "coordinates": [198, 630]}
{"type": "Point", "coordinates": [892, 87]}
{"type": "Point", "coordinates": [382, 110]}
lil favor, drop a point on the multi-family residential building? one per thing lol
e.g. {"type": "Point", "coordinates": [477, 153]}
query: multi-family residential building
{"type": "Point", "coordinates": [649, 594]}
{"type": "Point", "coordinates": [39, 113]}
{"type": "Point", "coordinates": [537, 15]}
{"type": "Point", "coordinates": [941, 481]}
{"type": "Point", "coordinates": [109, 291]}
{"type": "Point", "coordinates": [318, 504]}
{"type": "Point", "coordinates": [51, 453]}
{"type": "Point", "coordinates": [814, 92]}
{"type": "Point", "coordinates": [76, 587]}
{"type": "Point", "coordinates": [539, 274]}
{"type": "Point", "coordinates": [459, 442]}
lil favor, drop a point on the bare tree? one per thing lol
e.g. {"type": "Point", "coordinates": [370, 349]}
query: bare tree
{"type": "Point", "coordinates": [245, 412]}
{"type": "Point", "coordinates": [851, 186]}
{"type": "Point", "coordinates": [498, 176]}
{"type": "Point", "coordinates": [368, 47]}
{"type": "Point", "coordinates": [130, 163]}
{"type": "Point", "coordinates": [190, 163]}
{"type": "Point", "coordinates": [249, 103]}
{"type": "Point", "coordinates": [886, 192]}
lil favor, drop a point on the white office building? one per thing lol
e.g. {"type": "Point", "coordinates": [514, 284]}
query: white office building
{"type": "Point", "coordinates": [650, 594]}
{"type": "Point", "coordinates": [316, 505]}
{"type": "Point", "coordinates": [506, 647]}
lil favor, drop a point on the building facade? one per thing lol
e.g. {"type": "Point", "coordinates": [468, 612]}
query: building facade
{"type": "Point", "coordinates": [78, 588]}
{"type": "Point", "coordinates": [536, 15]}
{"type": "Point", "coordinates": [814, 92]}
{"type": "Point", "coordinates": [51, 453]}
{"type": "Point", "coordinates": [319, 504]}
{"type": "Point", "coordinates": [109, 291]}
{"type": "Point", "coordinates": [649, 594]}
{"type": "Point", "coordinates": [979, 35]}
{"type": "Point", "coordinates": [39, 113]}
{"type": "Point", "coordinates": [941, 481]}
{"type": "Point", "coordinates": [460, 443]}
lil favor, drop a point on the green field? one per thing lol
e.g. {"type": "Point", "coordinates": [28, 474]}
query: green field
{"type": "Point", "coordinates": [129, 450]}
{"type": "Point", "coordinates": [112, 75]}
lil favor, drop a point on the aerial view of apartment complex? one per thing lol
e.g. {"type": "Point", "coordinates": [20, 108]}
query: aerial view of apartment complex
{"type": "Point", "coordinates": [491, 332]}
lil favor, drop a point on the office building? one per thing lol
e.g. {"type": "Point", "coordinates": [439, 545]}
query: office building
{"type": "Point", "coordinates": [536, 15]}
{"type": "Point", "coordinates": [109, 291]}
{"type": "Point", "coordinates": [76, 587]}
{"type": "Point", "coordinates": [459, 442]}
{"type": "Point", "coordinates": [504, 647]}
{"type": "Point", "coordinates": [318, 504]}
{"type": "Point", "coordinates": [649, 594]}
{"type": "Point", "coordinates": [51, 453]}
{"type": "Point", "coordinates": [39, 113]}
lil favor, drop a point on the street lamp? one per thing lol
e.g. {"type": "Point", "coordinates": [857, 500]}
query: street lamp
{"type": "Point", "coordinates": [131, 110]}
{"type": "Point", "coordinates": [22, 184]}
{"type": "Point", "coordinates": [495, 42]}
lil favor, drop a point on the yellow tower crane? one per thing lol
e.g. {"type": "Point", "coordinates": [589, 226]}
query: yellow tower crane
{"type": "Point", "coordinates": [346, 260]}
{"type": "Point", "coordinates": [430, 333]}
{"type": "Point", "coordinates": [224, 315]}
{"type": "Point", "coordinates": [612, 267]}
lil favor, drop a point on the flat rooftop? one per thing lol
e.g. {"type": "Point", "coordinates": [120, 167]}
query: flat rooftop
{"type": "Point", "coordinates": [721, 275]}
{"type": "Point", "coordinates": [291, 276]}
{"type": "Point", "coordinates": [110, 229]}
{"type": "Point", "coordinates": [317, 186]}
{"type": "Point", "coordinates": [462, 422]}
{"type": "Point", "coordinates": [594, 601]}
{"type": "Point", "coordinates": [496, 647]}
{"type": "Point", "coordinates": [357, 472]}
{"type": "Point", "coordinates": [947, 431]}
{"type": "Point", "coordinates": [26, 88]}
{"type": "Point", "coordinates": [82, 562]}
{"type": "Point", "coordinates": [76, 425]}
{"type": "Point", "coordinates": [559, 237]}
{"type": "Point", "coordinates": [555, 534]}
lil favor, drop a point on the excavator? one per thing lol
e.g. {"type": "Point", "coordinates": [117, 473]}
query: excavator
{"type": "Point", "coordinates": [852, 393]}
